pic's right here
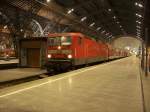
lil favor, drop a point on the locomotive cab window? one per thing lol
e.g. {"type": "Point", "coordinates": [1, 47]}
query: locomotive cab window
{"type": "Point", "coordinates": [66, 40]}
{"type": "Point", "coordinates": [62, 40]}
{"type": "Point", "coordinates": [53, 41]}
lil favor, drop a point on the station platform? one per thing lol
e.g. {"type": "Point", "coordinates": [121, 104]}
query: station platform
{"type": "Point", "coordinates": [12, 63]}
{"type": "Point", "coordinates": [9, 61]}
{"type": "Point", "coordinates": [19, 73]}
{"type": "Point", "coordinates": [108, 87]}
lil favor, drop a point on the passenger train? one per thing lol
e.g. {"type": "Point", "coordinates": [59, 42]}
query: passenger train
{"type": "Point", "coordinates": [68, 50]}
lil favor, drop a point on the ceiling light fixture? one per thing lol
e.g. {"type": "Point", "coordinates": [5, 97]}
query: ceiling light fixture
{"type": "Point", "coordinates": [139, 5]}
{"type": "Point", "coordinates": [107, 34]}
{"type": "Point", "coordinates": [114, 17]}
{"type": "Point", "coordinates": [138, 34]}
{"type": "Point", "coordinates": [110, 36]}
{"type": "Point", "coordinates": [83, 19]}
{"type": "Point", "coordinates": [138, 27]}
{"type": "Point", "coordinates": [138, 30]}
{"type": "Point", "coordinates": [98, 28]}
{"type": "Point", "coordinates": [139, 22]}
{"type": "Point", "coordinates": [109, 10]}
{"type": "Point", "coordinates": [5, 26]}
{"type": "Point", "coordinates": [70, 11]}
{"type": "Point", "coordinates": [48, 1]}
{"type": "Point", "coordinates": [103, 32]}
{"type": "Point", "coordinates": [138, 15]}
{"type": "Point", "coordinates": [21, 30]}
{"type": "Point", "coordinates": [92, 24]}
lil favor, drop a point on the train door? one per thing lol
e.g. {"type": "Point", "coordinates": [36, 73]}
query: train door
{"type": "Point", "coordinates": [33, 57]}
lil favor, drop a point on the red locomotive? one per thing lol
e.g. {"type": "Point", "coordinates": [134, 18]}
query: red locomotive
{"type": "Point", "coordinates": [67, 50]}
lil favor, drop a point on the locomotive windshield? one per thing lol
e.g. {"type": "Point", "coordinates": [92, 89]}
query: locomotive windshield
{"type": "Point", "coordinates": [56, 41]}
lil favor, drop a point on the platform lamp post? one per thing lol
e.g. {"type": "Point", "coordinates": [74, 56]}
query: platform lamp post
{"type": "Point", "coordinates": [142, 55]}
{"type": "Point", "coordinates": [145, 42]}
{"type": "Point", "coordinates": [145, 58]}
{"type": "Point", "coordinates": [109, 42]}
{"type": "Point", "coordinates": [146, 52]}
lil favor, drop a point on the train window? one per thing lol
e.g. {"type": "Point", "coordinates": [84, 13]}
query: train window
{"type": "Point", "coordinates": [79, 40]}
{"type": "Point", "coordinates": [66, 40]}
{"type": "Point", "coordinates": [56, 41]}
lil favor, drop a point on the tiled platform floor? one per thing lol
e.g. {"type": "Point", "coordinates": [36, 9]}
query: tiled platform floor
{"type": "Point", "coordinates": [111, 87]}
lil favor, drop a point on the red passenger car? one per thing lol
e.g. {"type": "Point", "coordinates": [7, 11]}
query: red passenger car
{"type": "Point", "coordinates": [71, 49]}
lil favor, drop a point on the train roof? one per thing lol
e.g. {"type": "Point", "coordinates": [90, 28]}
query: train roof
{"type": "Point", "coordinates": [65, 34]}
{"type": "Point", "coordinates": [70, 34]}
{"type": "Point", "coordinates": [73, 34]}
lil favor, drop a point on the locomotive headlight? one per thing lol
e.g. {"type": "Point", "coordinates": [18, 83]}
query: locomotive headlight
{"type": "Point", "coordinates": [59, 47]}
{"type": "Point", "coordinates": [49, 56]}
{"type": "Point", "coordinates": [69, 56]}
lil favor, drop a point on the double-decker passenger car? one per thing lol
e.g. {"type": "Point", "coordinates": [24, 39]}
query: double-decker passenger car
{"type": "Point", "coordinates": [71, 49]}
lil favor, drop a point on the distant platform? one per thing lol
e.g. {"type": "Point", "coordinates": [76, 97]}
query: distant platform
{"type": "Point", "coordinates": [8, 61]}
{"type": "Point", "coordinates": [19, 73]}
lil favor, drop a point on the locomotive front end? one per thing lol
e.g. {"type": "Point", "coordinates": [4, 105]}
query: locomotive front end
{"type": "Point", "coordinates": [59, 53]}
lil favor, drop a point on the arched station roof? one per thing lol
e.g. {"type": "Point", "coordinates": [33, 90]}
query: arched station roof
{"type": "Point", "coordinates": [104, 19]}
